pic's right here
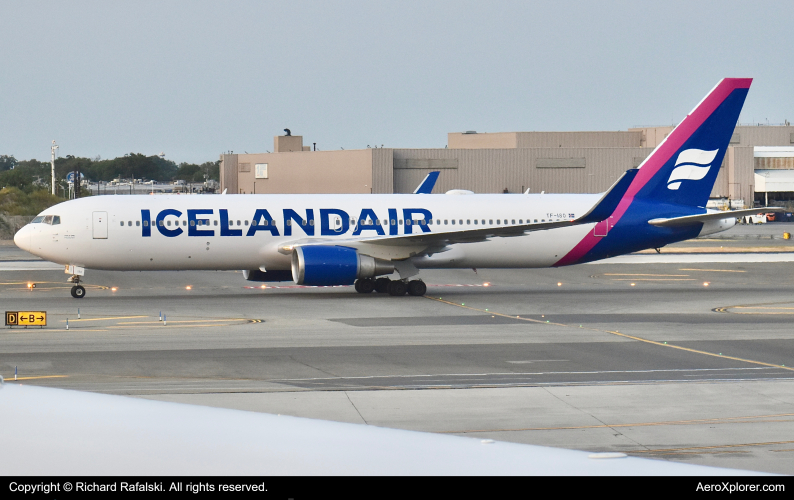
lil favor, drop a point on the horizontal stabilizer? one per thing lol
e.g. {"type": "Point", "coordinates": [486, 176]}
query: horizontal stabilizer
{"type": "Point", "coordinates": [694, 219]}
{"type": "Point", "coordinates": [609, 202]}
{"type": "Point", "coordinates": [427, 185]}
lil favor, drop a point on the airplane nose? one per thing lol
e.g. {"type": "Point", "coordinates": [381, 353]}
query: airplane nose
{"type": "Point", "coordinates": [22, 238]}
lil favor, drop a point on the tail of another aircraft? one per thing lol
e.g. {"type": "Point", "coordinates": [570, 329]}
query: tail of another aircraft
{"type": "Point", "coordinates": [674, 182]}
{"type": "Point", "coordinates": [683, 168]}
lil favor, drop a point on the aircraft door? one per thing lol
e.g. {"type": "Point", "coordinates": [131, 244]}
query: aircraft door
{"type": "Point", "coordinates": [601, 229]}
{"type": "Point", "coordinates": [335, 222]}
{"type": "Point", "coordinates": [100, 225]}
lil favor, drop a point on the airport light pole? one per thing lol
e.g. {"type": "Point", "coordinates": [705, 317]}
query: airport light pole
{"type": "Point", "coordinates": [53, 148]}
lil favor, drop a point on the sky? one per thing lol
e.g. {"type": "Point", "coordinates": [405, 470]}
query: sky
{"type": "Point", "coordinates": [194, 79]}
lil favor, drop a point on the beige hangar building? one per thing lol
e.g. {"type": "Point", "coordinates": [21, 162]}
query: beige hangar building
{"type": "Point", "coordinates": [554, 162]}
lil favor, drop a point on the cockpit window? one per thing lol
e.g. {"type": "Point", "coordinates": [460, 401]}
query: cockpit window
{"type": "Point", "coordinates": [53, 220]}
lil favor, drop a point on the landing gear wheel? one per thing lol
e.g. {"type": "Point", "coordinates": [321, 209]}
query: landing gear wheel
{"type": "Point", "coordinates": [397, 288]}
{"type": "Point", "coordinates": [382, 285]}
{"type": "Point", "coordinates": [364, 285]}
{"type": "Point", "coordinates": [78, 292]}
{"type": "Point", "coordinates": [417, 288]}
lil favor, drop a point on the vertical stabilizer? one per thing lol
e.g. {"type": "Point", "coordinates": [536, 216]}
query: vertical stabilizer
{"type": "Point", "coordinates": [683, 168]}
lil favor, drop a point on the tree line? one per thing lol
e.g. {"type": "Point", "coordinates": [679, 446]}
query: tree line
{"type": "Point", "coordinates": [30, 175]}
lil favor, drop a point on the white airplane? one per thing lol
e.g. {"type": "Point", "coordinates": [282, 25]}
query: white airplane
{"type": "Point", "coordinates": [323, 239]}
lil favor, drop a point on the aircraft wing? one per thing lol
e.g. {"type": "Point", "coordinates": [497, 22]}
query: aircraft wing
{"type": "Point", "coordinates": [693, 219]}
{"type": "Point", "coordinates": [60, 432]}
{"type": "Point", "coordinates": [404, 246]}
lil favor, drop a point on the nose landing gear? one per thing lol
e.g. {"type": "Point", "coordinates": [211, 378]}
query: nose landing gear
{"type": "Point", "coordinates": [78, 291]}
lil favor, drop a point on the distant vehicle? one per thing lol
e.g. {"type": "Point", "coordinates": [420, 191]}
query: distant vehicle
{"type": "Point", "coordinates": [325, 239]}
{"type": "Point", "coordinates": [757, 219]}
{"type": "Point", "coordinates": [179, 182]}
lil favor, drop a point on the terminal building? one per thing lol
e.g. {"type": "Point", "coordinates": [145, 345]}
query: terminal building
{"type": "Point", "coordinates": [759, 164]}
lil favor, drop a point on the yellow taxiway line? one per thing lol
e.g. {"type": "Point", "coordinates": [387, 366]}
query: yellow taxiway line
{"type": "Point", "coordinates": [612, 332]}
{"type": "Point", "coordinates": [723, 420]}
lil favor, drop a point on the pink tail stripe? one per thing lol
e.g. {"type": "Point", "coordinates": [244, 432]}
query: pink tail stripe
{"type": "Point", "coordinates": [662, 155]}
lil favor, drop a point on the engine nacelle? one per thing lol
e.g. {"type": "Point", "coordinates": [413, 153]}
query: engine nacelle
{"type": "Point", "coordinates": [331, 265]}
{"type": "Point", "coordinates": [257, 275]}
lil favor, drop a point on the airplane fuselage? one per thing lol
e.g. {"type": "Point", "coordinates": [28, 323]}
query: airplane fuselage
{"type": "Point", "coordinates": [220, 232]}
{"type": "Point", "coordinates": [233, 232]}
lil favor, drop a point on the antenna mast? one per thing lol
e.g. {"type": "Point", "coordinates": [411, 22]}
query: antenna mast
{"type": "Point", "coordinates": [53, 148]}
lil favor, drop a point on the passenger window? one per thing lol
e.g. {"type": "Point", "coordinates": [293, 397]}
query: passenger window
{"type": "Point", "coordinates": [246, 222]}
{"type": "Point", "coordinates": [475, 222]}
{"type": "Point", "coordinates": [289, 222]}
{"type": "Point", "coordinates": [160, 223]}
{"type": "Point", "coordinates": [445, 222]}
{"type": "Point", "coordinates": [513, 221]}
{"type": "Point", "coordinates": [214, 223]}
{"type": "Point", "coordinates": [129, 223]}
{"type": "Point", "coordinates": [453, 222]}
{"type": "Point", "coordinates": [168, 223]}
{"type": "Point", "coordinates": [137, 223]}
{"type": "Point", "coordinates": [498, 221]}
{"type": "Point", "coordinates": [461, 222]}
{"type": "Point", "coordinates": [401, 222]}
{"type": "Point", "coordinates": [407, 222]}
{"type": "Point", "coordinates": [490, 221]}
{"type": "Point", "coordinates": [422, 222]}
{"type": "Point", "coordinates": [56, 219]}
{"type": "Point", "coordinates": [264, 222]}
{"type": "Point", "coordinates": [393, 222]}
{"type": "Point", "coordinates": [520, 221]}
{"type": "Point", "coordinates": [193, 223]}
{"type": "Point", "coordinates": [122, 223]}
{"type": "Point", "coordinates": [254, 223]}
{"type": "Point", "coordinates": [536, 220]}
{"type": "Point", "coordinates": [240, 223]}
{"type": "Point", "coordinates": [146, 223]}
{"type": "Point", "coordinates": [311, 222]}
{"type": "Point", "coordinates": [184, 223]}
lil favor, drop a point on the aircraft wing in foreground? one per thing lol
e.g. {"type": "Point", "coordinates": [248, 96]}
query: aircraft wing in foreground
{"type": "Point", "coordinates": [60, 432]}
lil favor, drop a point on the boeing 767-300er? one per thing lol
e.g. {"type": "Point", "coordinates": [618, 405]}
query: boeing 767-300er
{"type": "Point", "coordinates": [324, 239]}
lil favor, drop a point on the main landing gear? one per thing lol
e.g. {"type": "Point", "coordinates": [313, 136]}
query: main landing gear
{"type": "Point", "coordinates": [395, 288]}
{"type": "Point", "coordinates": [78, 291]}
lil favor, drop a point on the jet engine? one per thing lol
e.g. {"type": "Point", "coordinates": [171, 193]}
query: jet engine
{"type": "Point", "coordinates": [333, 265]}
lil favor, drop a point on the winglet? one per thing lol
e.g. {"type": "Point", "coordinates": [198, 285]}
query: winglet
{"type": "Point", "coordinates": [426, 187]}
{"type": "Point", "coordinates": [609, 202]}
